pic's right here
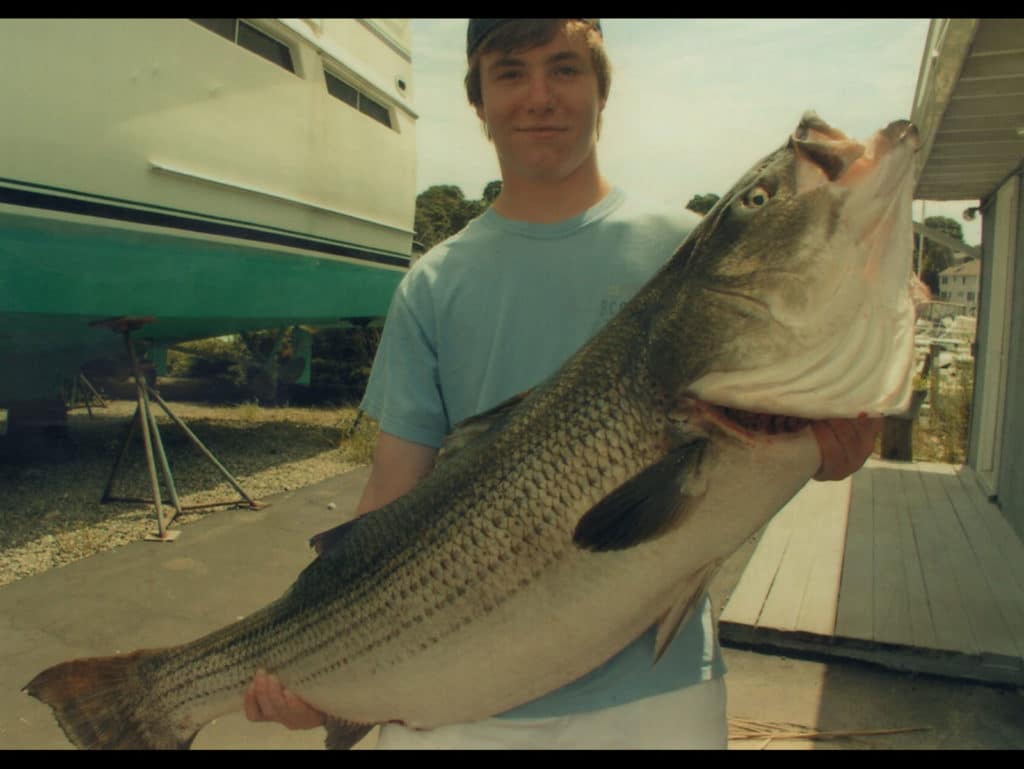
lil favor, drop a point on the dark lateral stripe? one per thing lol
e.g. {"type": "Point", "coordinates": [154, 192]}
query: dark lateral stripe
{"type": "Point", "coordinates": [29, 199]}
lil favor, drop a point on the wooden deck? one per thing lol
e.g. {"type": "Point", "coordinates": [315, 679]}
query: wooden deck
{"type": "Point", "coordinates": [907, 565]}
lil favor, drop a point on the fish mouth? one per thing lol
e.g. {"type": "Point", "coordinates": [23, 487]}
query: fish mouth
{"type": "Point", "coordinates": [827, 154]}
{"type": "Point", "coordinates": [748, 425]}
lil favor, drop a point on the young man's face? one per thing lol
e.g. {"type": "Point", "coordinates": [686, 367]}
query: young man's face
{"type": "Point", "coordinates": [541, 107]}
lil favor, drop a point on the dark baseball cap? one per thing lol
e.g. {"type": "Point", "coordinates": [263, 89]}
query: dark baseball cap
{"type": "Point", "coordinates": [479, 29]}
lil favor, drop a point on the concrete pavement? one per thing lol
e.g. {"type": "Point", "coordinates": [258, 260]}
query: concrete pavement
{"type": "Point", "coordinates": [235, 561]}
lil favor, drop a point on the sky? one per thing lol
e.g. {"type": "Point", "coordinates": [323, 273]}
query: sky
{"type": "Point", "coordinates": [694, 102]}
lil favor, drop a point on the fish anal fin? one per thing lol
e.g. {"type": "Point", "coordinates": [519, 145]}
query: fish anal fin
{"type": "Point", "coordinates": [332, 537]}
{"type": "Point", "coordinates": [342, 734]}
{"type": "Point", "coordinates": [647, 506]}
{"type": "Point", "coordinates": [681, 612]}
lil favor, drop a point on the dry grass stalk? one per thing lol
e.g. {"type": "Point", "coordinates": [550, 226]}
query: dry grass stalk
{"type": "Point", "coordinates": [747, 729]}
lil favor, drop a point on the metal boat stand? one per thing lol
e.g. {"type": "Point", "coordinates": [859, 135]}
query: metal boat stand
{"type": "Point", "coordinates": [153, 445]}
{"type": "Point", "coordinates": [77, 397]}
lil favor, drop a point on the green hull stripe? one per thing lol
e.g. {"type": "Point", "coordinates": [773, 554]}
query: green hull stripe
{"type": "Point", "coordinates": [61, 276]}
{"type": "Point", "coordinates": [162, 216]}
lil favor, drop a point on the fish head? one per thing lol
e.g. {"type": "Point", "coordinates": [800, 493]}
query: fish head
{"type": "Point", "coordinates": [811, 254]}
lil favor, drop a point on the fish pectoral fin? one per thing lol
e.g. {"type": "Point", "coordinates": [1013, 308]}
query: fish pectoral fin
{"type": "Point", "coordinates": [693, 591]}
{"type": "Point", "coordinates": [645, 507]}
{"type": "Point", "coordinates": [342, 734]}
{"type": "Point", "coordinates": [468, 430]}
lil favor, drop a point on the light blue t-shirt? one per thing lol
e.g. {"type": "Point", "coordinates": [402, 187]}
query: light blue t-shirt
{"type": "Point", "coordinates": [492, 312]}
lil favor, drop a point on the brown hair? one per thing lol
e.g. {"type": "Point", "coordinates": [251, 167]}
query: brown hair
{"type": "Point", "coordinates": [523, 34]}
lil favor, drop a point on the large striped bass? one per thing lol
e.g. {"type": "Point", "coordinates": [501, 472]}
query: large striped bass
{"type": "Point", "coordinates": [558, 527]}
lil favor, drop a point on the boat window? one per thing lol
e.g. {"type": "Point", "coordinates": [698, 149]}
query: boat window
{"type": "Point", "coordinates": [223, 27]}
{"type": "Point", "coordinates": [352, 96]}
{"type": "Point", "coordinates": [252, 39]}
{"type": "Point", "coordinates": [339, 89]}
{"type": "Point", "coordinates": [377, 111]}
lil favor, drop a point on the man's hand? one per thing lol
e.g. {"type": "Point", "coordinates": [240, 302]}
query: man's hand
{"type": "Point", "coordinates": [845, 445]}
{"type": "Point", "coordinates": [267, 700]}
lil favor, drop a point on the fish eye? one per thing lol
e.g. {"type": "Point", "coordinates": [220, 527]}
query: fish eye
{"type": "Point", "coordinates": [756, 197]}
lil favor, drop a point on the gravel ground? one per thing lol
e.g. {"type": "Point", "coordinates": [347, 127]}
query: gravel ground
{"type": "Point", "coordinates": [50, 510]}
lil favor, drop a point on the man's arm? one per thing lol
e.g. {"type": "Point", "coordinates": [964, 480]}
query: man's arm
{"type": "Point", "coordinates": [398, 466]}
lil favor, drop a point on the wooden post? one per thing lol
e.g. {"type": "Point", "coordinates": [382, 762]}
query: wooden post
{"type": "Point", "coordinates": [898, 439]}
{"type": "Point", "coordinates": [898, 431]}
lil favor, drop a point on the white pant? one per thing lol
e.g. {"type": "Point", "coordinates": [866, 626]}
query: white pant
{"type": "Point", "coordinates": [694, 717]}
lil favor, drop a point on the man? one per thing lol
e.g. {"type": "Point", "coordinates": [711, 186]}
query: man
{"type": "Point", "coordinates": [494, 310]}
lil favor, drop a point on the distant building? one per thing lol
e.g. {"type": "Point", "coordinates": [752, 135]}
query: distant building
{"type": "Point", "coordinates": [959, 285]}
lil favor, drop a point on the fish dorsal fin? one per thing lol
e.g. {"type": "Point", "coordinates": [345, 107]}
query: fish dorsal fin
{"type": "Point", "coordinates": [470, 429]}
{"type": "Point", "coordinates": [692, 593]}
{"type": "Point", "coordinates": [648, 505]}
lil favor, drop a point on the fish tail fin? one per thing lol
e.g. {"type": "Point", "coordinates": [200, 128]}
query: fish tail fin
{"type": "Point", "coordinates": [96, 701]}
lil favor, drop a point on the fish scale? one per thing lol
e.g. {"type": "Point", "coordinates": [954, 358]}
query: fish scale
{"type": "Point", "coordinates": [560, 526]}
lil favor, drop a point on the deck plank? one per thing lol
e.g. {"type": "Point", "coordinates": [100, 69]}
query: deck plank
{"type": "Point", "coordinates": [1003, 594]}
{"type": "Point", "coordinates": [953, 630]}
{"type": "Point", "coordinates": [782, 604]}
{"type": "Point", "coordinates": [748, 599]}
{"type": "Point", "coordinates": [922, 627]}
{"type": "Point", "coordinates": [821, 599]}
{"type": "Point", "coordinates": [789, 591]}
{"type": "Point", "coordinates": [1009, 544]}
{"type": "Point", "coordinates": [991, 634]}
{"type": "Point", "coordinates": [855, 612]}
{"type": "Point", "coordinates": [891, 604]}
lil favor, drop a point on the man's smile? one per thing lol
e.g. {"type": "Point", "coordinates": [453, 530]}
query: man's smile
{"type": "Point", "coordinates": [542, 130]}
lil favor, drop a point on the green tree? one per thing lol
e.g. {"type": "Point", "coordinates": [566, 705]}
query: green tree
{"type": "Point", "coordinates": [703, 203]}
{"type": "Point", "coordinates": [342, 358]}
{"type": "Point", "coordinates": [937, 257]}
{"type": "Point", "coordinates": [441, 211]}
{"type": "Point", "coordinates": [491, 191]}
